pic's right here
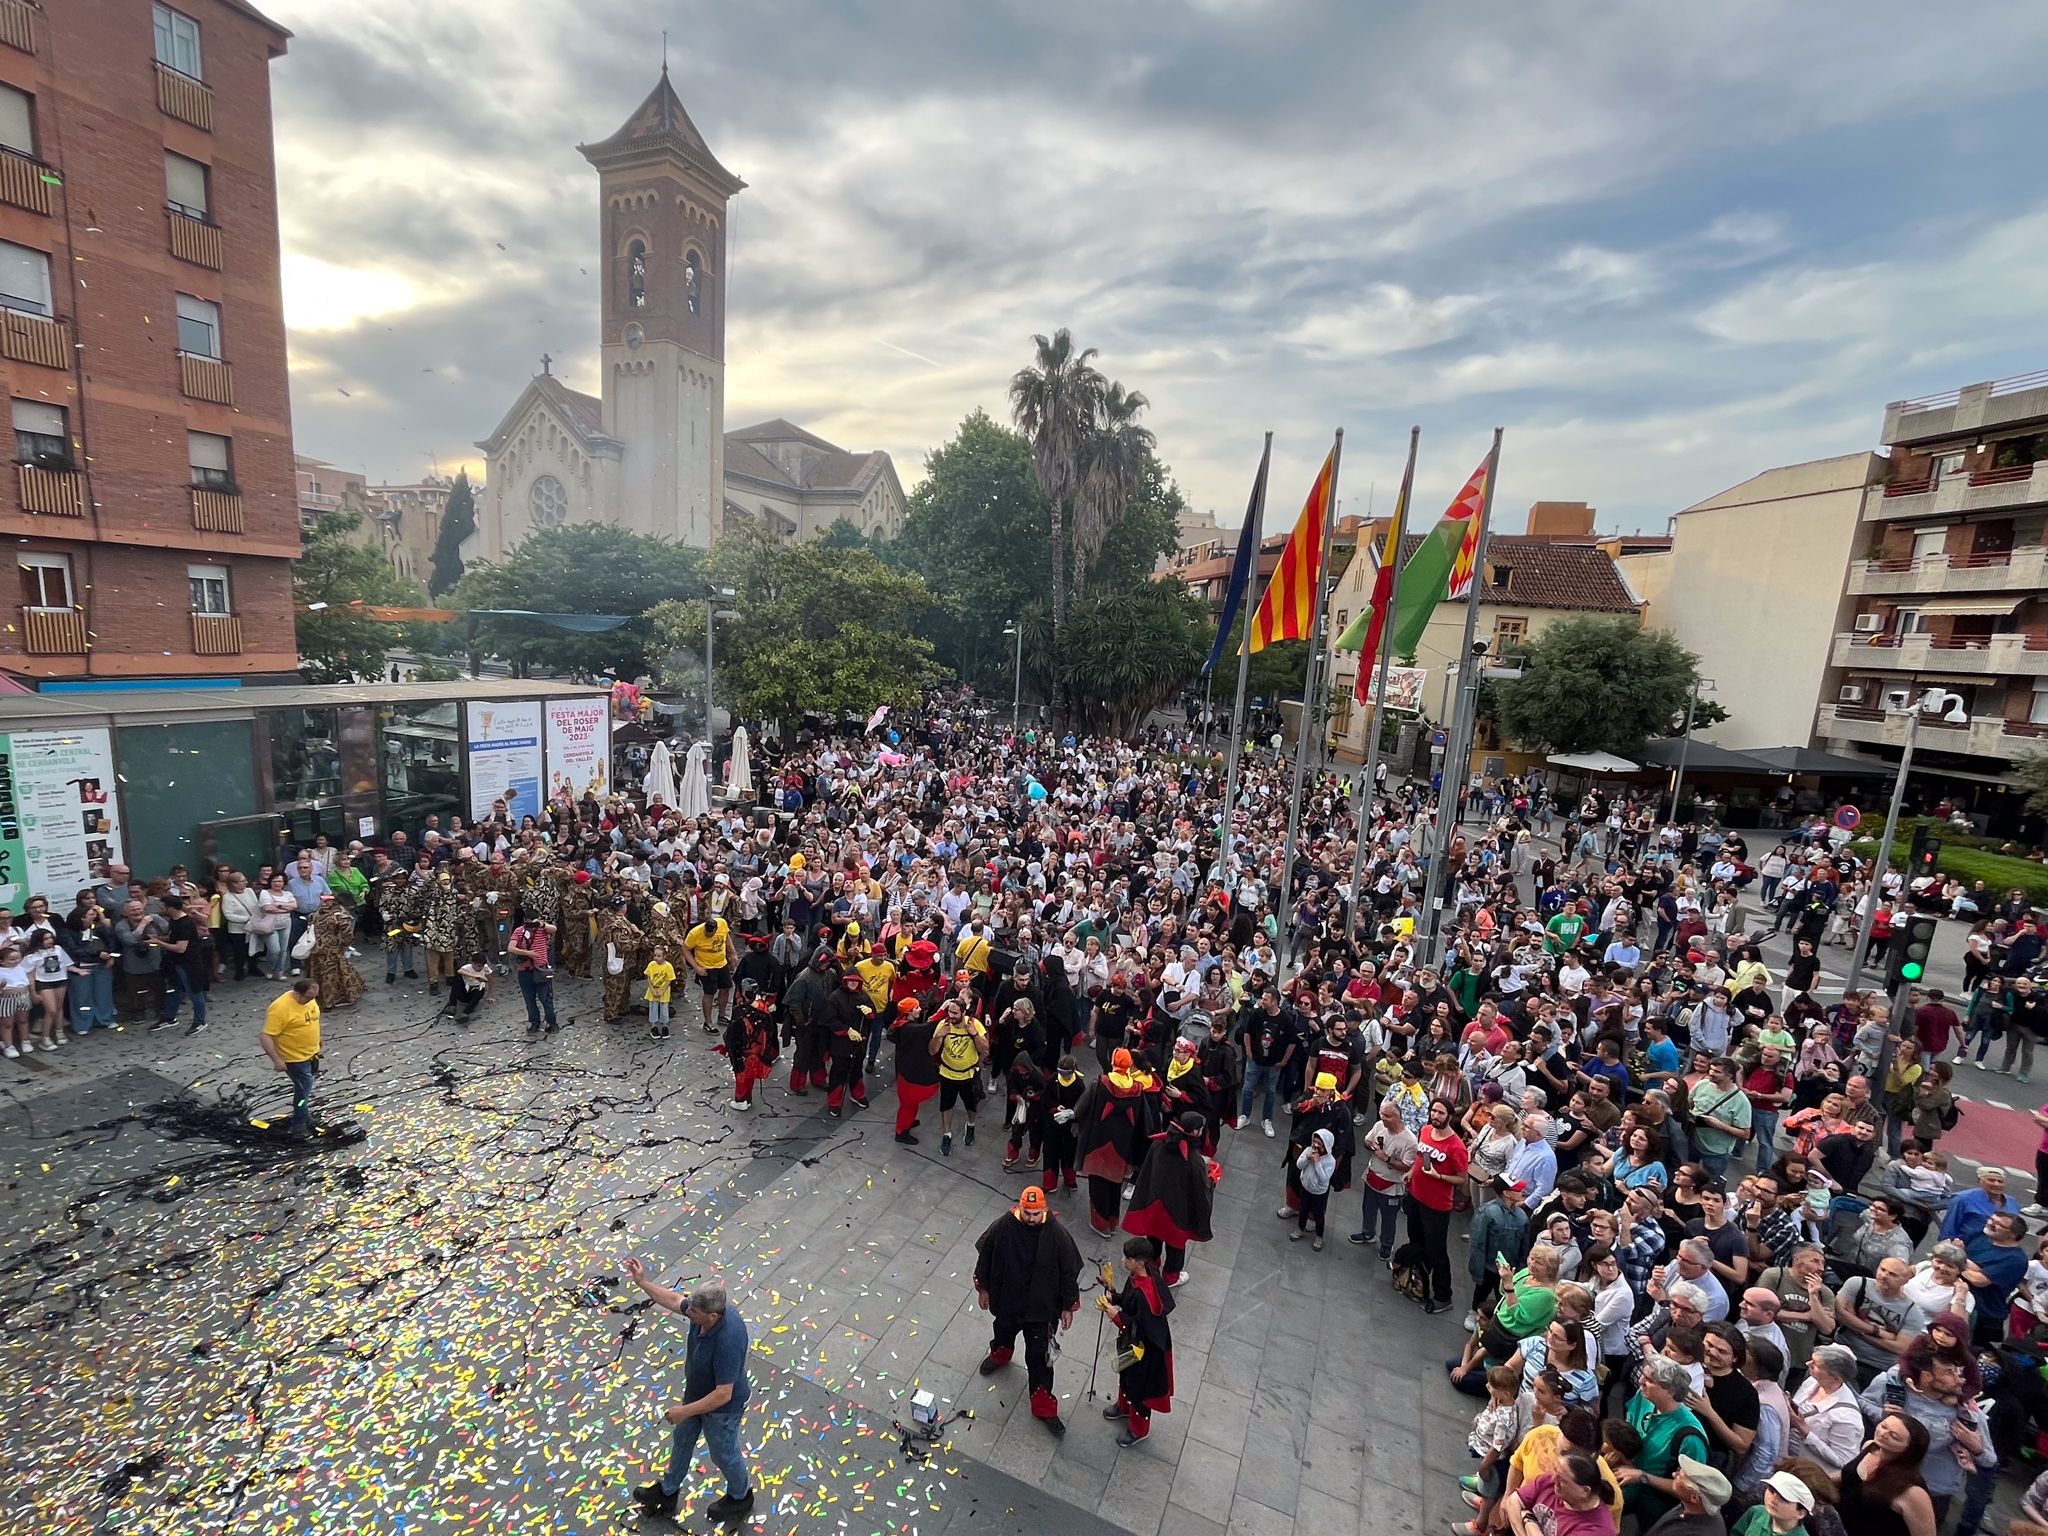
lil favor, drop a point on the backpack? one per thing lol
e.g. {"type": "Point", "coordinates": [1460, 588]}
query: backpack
{"type": "Point", "coordinates": [1951, 1116]}
{"type": "Point", "coordinates": [1409, 1279]}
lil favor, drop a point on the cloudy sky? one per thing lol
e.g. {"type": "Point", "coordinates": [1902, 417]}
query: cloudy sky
{"type": "Point", "coordinates": [1665, 246]}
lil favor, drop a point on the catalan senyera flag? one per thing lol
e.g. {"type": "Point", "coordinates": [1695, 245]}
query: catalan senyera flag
{"type": "Point", "coordinates": [1288, 610]}
{"type": "Point", "coordinates": [1366, 632]}
{"type": "Point", "coordinates": [1442, 567]}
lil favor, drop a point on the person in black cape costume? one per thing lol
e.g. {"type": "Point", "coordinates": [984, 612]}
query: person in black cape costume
{"type": "Point", "coordinates": [1114, 1122]}
{"type": "Point", "coordinates": [1174, 1195]}
{"type": "Point", "coordinates": [1027, 1276]}
{"type": "Point", "coordinates": [1140, 1310]}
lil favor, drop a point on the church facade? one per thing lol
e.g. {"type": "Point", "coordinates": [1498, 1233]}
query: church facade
{"type": "Point", "coordinates": [651, 452]}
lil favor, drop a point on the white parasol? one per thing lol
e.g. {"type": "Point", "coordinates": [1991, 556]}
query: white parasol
{"type": "Point", "coordinates": [693, 797]}
{"type": "Point", "coordinates": [659, 782]}
{"type": "Point", "coordinates": [740, 784]}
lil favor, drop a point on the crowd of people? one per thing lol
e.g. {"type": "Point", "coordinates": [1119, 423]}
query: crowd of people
{"type": "Point", "coordinates": [1721, 1276]}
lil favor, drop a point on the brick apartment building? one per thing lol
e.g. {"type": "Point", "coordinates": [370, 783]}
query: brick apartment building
{"type": "Point", "coordinates": [1948, 582]}
{"type": "Point", "coordinates": [142, 344]}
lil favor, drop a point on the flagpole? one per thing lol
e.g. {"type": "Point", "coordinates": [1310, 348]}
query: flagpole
{"type": "Point", "coordinates": [1458, 746]}
{"type": "Point", "coordinates": [1301, 745]}
{"type": "Point", "coordinates": [1364, 798]}
{"type": "Point", "coordinates": [1255, 517]}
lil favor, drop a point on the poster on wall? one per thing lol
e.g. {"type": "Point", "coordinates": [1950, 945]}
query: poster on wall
{"type": "Point", "coordinates": [1404, 687]}
{"type": "Point", "coordinates": [579, 747]}
{"type": "Point", "coordinates": [59, 820]}
{"type": "Point", "coordinates": [504, 758]}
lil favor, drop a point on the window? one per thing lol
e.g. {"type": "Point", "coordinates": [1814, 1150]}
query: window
{"type": "Point", "coordinates": [41, 435]}
{"type": "Point", "coordinates": [46, 581]}
{"type": "Point", "coordinates": [636, 275]}
{"type": "Point", "coordinates": [209, 588]}
{"type": "Point", "coordinates": [198, 326]}
{"type": "Point", "coordinates": [548, 502]}
{"type": "Point", "coordinates": [212, 468]}
{"type": "Point", "coordinates": [693, 282]}
{"type": "Point", "coordinates": [1908, 621]}
{"type": "Point", "coordinates": [17, 121]}
{"type": "Point", "coordinates": [24, 279]}
{"type": "Point", "coordinates": [1945, 464]}
{"type": "Point", "coordinates": [177, 42]}
{"type": "Point", "coordinates": [2037, 710]}
{"type": "Point", "coordinates": [185, 185]}
{"type": "Point", "coordinates": [1929, 542]}
{"type": "Point", "coordinates": [1343, 614]}
{"type": "Point", "coordinates": [1510, 633]}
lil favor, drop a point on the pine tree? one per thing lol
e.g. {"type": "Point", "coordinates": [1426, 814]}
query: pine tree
{"type": "Point", "coordinates": [458, 522]}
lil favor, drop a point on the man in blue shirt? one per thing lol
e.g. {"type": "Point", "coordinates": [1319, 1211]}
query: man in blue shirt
{"type": "Point", "coordinates": [1998, 1262]}
{"type": "Point", "coordinates": [307, 885]}
{"type": "Point", "coordinates": [1968, 1212]}
{"type": "Point", "coordinates": [714, 1396]}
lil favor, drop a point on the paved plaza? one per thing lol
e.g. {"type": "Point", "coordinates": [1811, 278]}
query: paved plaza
{"type": "Point", "coordinates": [428, 1329]}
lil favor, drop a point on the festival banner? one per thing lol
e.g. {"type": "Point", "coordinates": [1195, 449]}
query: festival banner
{"type": "Point", "coordinates": [579, 747]}
{"type": "Point", "coordinates": [1404, 687]}
{"type": "Point", "coordinates": [59, 821]}
{"type": "Point", "coordinates": [504, 758]}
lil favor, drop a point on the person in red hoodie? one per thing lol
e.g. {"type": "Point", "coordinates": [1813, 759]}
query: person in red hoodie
{"type": "Point", "coordinates": [1441, 1160]}
{"type": "Point", "coordinates": [750, 1047]}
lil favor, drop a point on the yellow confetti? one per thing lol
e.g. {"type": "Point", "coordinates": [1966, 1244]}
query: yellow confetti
{"type": "Point", "coordinates": [174, 1182]}
{"type": "Point", "coordinates": [366, 1109]}
{"type": "Point", "coordinates": [261, 1125]}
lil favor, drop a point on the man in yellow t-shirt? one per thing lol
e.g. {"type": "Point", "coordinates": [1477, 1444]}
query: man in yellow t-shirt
{"type": "Point", "coordinates": [961, 1046]}
{"type": "Point", "coordinates": [291, 1039]}
{"type": "Point", "coordinates": [708, 947]}
{"type": "Point", "coordinates": [878, 976]}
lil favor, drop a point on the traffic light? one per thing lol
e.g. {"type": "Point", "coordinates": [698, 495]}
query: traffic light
{"type": "Point", "coordinates": [1910, 946]}
{"type": "Point", "coordinates": [1926, 850]}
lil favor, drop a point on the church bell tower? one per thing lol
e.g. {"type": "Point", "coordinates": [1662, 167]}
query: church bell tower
{"type": "Point", "coordinates": [662, 199]}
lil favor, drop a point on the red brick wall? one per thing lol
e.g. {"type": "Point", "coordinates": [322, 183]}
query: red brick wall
{"type": "Point", "coordinates": [115, 281]}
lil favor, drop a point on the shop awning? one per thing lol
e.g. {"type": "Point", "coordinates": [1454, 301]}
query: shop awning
{"type": "Point", "coordinates": [1702, 757]}
{"type": "Point", "coordinates": [1591, 762]}
{"type": "Point", "coordinates": [1969, 607]}
{"type": "Point", "coordinates": [1825, 764]}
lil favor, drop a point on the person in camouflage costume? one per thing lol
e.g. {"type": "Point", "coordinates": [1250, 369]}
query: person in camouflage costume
{"type": "Point", "coordinates": [334, 930]}
{"type": "Point", "coordinates": [621, 940]}
{"type": "Point", "coordinates": [575, 929]}
{"type": "Point", "coordinates": [444, 914]}
{"type": "Point", "coordinates": [402, 904]}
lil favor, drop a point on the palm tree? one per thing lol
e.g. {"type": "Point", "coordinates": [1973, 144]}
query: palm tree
{"type": "Point", "coordinates": [1056, 404]}
{"type": "Point", "coordinates": [1113, 466]}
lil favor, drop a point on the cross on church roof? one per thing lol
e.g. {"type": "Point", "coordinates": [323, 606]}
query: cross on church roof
{"type": "Point", "coordinates": [545, 362]}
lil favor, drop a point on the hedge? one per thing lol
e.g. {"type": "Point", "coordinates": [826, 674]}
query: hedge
{"type": "Point", "coordinates": [2000, 872]}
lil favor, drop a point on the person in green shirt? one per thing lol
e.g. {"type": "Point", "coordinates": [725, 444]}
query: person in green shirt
{"type": "Point", "coordinates": [1669, 1430]}
{"type": "Point", "coordinates": [1564, 930]}
{"type": "Point", "coordinates": [1720, 1114]}
{"type": "Point", "coordinates": [1787, 1503]}
{"type": "Point", "coordinates": [347, 882]}
{"type": "Point", "coordinates": [1528, 1301]}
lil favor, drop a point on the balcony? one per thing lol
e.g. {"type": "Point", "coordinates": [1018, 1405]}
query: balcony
{"type": "Point", "coordinates": [194, 240]}
{"type": "Point", "coordinates": [1990, 738]}
{"type": "Point", "coordinates": [25, 182]}
{"type": "Point", "coordinates": [1974, 408]}
{"type": "Point", "coordinates": [2013, 655]}
{"type": "Point", "coordinates": [206, 378]}
{"type": "Point", "coordinates": [217, 511]}
{"type": "Point", "coordinates": [53, 631]}
{"type": "Point", "coordinates": [36, 339]}
{"type": "Point", "coordinates": [1989, 490]}
{"type": "Point", "coordinates": [184, 98]}
{"type": "Point", "coordinates": [216, 634]}
{"type": "Point", "coordinates": [51, 492]}
{"type": "Point", "coordinates": [18, 25]}
{"type": "Point", "coordinates": [2019, 570]}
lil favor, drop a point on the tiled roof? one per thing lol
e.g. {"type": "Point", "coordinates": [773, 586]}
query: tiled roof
{"type": "Point", "coordinates": [842, 471]}
{"type": "Point", "coordinates": [660, 123]}
{"type": "Point", "coordinates": [584, 412]}
{"type": "Point", "coordinates": [1541, 574]}
{"type": "Point", "coordinates": [780, 430]}
{"type": "Point", "coordinates": [743, 458]}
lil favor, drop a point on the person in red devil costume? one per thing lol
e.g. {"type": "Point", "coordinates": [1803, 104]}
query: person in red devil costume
{"type": "Point", "coordinates": [1139, 1310]}
{"type": "Point", "coordinates": [1114, 1120]}
{"type": "Point", "coordinates": [917, 1074]}
{"type": "Point", "coordinates": [1027, 1275]}
{"type": "Point", "coordinates": [750, 1047]}
{"type": "Point", "coordinates": [1173, 1197]}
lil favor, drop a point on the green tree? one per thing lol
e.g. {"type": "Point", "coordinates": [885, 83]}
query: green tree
{"type": "Point", "coordinates": [2032, 770]}
{"type": "Point", "coordinates": [843, 534]}
{"type": "Point", "coordinates": [1114, 458]}
{"type": "Point", "coordinates": [1056, 403]}
{"type": "Point", "coordinates": [334, 569]}
{"type": "Point", "coordinates": [585, 568]}
{"type": "Point", "coordinates": [977, 507]}
{"type": "Point", "coordinates": [821, 630]}
{"type": "Point", "coordinates": [1593, 684]}
{"type": "Point", "coordinates": [1148, 529]}
{"type": "Point", "coordinates": [1124, 654]}
{"type": "Point", "coordinates": [458, 522]}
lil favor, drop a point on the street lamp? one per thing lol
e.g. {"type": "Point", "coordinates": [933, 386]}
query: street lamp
{"type": "Point", "coordinates": [1935, 701]}
{"type": "Point", "coordinates": [1685, 738]}
{"type": "Point", "coordinates": [1016, 627]}
{"type": "Point", "coordinates": [712, 614]}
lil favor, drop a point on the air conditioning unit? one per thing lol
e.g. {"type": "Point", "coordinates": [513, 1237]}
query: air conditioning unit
{"type": "Point", "coordinates": [1896, 698]}
{"type": "Point", "coordinates": [1849, 694]}
{"type": "Point", "coordinates": [1869, 623]}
